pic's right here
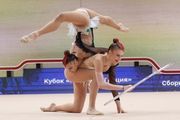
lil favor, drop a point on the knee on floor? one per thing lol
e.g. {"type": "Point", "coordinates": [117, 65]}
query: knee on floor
{"type": "Point", "coordinates": [77, 110]}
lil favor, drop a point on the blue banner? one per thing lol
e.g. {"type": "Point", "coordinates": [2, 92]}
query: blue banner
{"type": "Point", "coordinates": [52, 80]}
{"type": "Point", "coordinates": [132, 75]}
{"type": "Point", "coordinates": [166, 82]}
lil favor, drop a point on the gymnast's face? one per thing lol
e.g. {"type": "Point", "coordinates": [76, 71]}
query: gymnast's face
{"type": "Point", "coordinates": [115, 55]}
{"type": "Point", "coordinates": [72, 66]}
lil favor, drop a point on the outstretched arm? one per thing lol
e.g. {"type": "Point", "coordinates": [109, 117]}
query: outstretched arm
{"type": "Point", "coordinates": [112, 80]}
{"type": "Point", "coordinates": [100, 79]}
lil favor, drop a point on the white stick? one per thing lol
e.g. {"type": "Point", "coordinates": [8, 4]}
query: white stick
{"type": "Point", "coordinates": [146, 78]}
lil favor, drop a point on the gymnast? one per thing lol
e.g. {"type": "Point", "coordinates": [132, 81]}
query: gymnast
{"type": "Point", "coordinates": [91, 68]}
{"type": "Point", "coordinates": [81, 24]}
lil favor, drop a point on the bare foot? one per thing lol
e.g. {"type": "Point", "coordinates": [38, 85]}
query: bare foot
{"type": "Point", "coordinates": [30, 37]}
{"type": "Point", "coordinates": [49, 109]}
{"type": "Point", "coordinates": [92, 111]}
{"type": "Point", "coordinates": [123, 28]}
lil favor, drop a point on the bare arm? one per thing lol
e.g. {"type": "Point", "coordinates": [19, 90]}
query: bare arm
{"type": "Point", "coordinates": [112, 79]}
{"type": "Point", "coordinates": [104, 85]}
{"type": "Point", "coordinates": [100, 79]}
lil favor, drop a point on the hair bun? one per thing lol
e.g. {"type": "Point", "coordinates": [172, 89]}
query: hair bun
{"type": "Point", "coordinates": [66, 52]}
{"type": "Point", "coordinates": [115, 40]}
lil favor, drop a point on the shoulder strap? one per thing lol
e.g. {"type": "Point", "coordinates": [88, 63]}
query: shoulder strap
{"type": "Point", "coordinates": [92, 37]}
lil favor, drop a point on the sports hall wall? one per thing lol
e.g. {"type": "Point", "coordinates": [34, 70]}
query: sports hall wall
{"type": "Point", "coordinates": [154, 32]}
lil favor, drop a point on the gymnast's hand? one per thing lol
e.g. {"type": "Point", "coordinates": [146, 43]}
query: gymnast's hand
{"type": "Point", "coordinates": [127, 87]}
{"type": "Point", "coordinates": [119, 107]}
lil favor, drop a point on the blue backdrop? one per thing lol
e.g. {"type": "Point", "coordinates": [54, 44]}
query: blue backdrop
{"type": "Point", "coordinates": [52, 80]}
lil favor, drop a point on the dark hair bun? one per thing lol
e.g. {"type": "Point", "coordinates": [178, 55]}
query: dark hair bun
{"type": "Point", "coordinates": [66, 52]}
{"type": "Point", "coordinates": [115, 40]}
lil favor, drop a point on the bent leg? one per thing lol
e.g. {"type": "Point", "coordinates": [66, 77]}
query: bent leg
{"type": "Point", "coordinates": [79, 98]}
{"type": "Point", "coordinates": [93, 89]}
{"type": "Point", "coordinates": [78, 18]}
{"type": "Point", "coordinates": [107, 21]}
{"type": "Point", "coordinates": [76, 106]}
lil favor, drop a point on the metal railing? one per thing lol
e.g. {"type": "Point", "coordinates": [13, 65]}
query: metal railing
{"type": "Point", "coordinates": [124, 59]}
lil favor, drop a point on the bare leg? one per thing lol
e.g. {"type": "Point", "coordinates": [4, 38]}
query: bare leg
{"type": "Point", "coordinates": [108, 21]}
{"type": "Point", "coordinates": [93, 88]}
{"type": "Point", "coordinates": [78, 18]}
{"type": "Point", "coordinates": [76, 106]}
